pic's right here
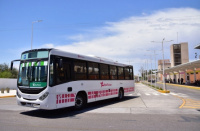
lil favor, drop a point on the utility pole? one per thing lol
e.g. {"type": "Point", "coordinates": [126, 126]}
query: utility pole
{"type": "Point", "coordinates": [164, 84]}
{"type": "Point", "coordinates": [155, 63]}
{"type": "Point", "coordinates": [32, 31]}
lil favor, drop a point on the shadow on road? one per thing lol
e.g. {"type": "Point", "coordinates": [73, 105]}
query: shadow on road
{"type": "Point", "coordinates": [70, 112]}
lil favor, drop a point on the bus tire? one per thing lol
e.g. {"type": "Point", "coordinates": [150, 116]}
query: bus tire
{"type": "Point", "coordinates": [120, 94]}
{"type": "Point", "coordinates": [80, 101]}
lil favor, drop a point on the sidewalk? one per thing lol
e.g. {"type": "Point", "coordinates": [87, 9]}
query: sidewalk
{"type": "Point", "coordinates": [12, 93]}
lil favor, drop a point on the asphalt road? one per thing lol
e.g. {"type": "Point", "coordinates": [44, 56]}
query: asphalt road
{"type": "Point", "coordinates": [191, 93]}
{"type": "Point", "coordinates": [145, 110]}
{"type": "Point", "coordinates": [78, 121]}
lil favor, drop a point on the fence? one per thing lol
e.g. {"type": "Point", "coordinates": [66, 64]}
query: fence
{"type": "Point", "coordinates": [10, 83]}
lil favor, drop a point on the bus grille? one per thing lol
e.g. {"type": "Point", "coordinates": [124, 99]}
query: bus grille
{"type": "Point", "coordinates": [31, 90]}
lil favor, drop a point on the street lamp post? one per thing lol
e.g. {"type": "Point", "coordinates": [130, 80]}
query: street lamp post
{"type": "Point", "coordinates": [151, 66]}
{"type": "Point", "coordinates": [147, 70]}
{"type": "Point", "coordinates": [155, 63]}
{"type": "Point", "coordinates": [151, 70]}
{"type": "Point", "coordinates": [32, 31]}
{"type": "Point", "coordinates": [164, 84]}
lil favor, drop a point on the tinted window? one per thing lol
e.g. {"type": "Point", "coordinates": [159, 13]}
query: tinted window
{"type": "Point", "coordinates": [93, 71]}
{"type": "Point", "coordinates": [120, 73]}
{"type": "Point", "coordinates": [113, 72]}
{"type": "Point", "coordinates": [60, 75]}
{"type": "Point", "coordinates": [104, 72]}
{"type": "Point", "coordinates": [131, 73]}
{"type": "Point", "coordinates": [80, 70]}
{"type": "Point", "coordinates": [126, 71]}
{"type": "Point", "coordinates": [63, 72]}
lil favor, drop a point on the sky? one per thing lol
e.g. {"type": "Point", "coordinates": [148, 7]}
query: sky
{"type": "Point", "coordinates": [121, 30]}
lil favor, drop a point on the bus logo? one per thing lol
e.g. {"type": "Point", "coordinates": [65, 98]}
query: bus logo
{"type": "Point", "coordinates": [105, 84]}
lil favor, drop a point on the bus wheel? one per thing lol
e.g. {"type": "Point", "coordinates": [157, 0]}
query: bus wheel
{"type": "Point", "coordinates": [120, 94]}
{"type": "Point", "coordinates": [80, 102]}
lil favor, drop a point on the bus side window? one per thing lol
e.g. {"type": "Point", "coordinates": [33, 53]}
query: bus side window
{"type": "Point", "coordinates": [60, 74]}
{"type": "Point", "coordinates": [80, 70]}
{"type": "Point", "coordinates": [113, 72]}
{"type": "Point", "coordinates": [120, 73]}
{"type": "Point", "coordinates": [63, 70]}
{"type": "Point", "coordinates": [104, 72]}
{"type": "Point", "coordinates": [131, 73]}
{"type": "Point", "coordinates": [127, 76]}
{"type": "Point", "coordinates": [67, 69]}
{"type": "Point", "coordinates": [93, 71]}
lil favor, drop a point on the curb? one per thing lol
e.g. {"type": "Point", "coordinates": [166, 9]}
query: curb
{"type": "Point", "coordinates": [185, 86]}
{"type": "Point", "coordinates": [7, 96]}
{"type": "Point", "coordinates": [164, 91]}
{"type": "Point", "coordinates": [161, 91]}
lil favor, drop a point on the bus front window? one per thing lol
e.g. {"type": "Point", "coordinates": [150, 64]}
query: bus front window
{"type": "Point", "coordinates": [33, 74]}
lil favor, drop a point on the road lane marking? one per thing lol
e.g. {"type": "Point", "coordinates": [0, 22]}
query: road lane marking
{"type": "Point", "coordinates": [178, 94]}
{"type": "Point", "coordinates": [182, 100]}
{"type": "Point", "coordinates": [155, 94]}
{"type": "Point", "coordinates": [182, 103]}
{"type": "Point", "coordinates": [147, 94]}
{"type": "Point", "coordinates": [164, 94]}
{"type": "Point", "coordinates": [189, 103]}
{"type": "Point", "coordinates": [173, 93]}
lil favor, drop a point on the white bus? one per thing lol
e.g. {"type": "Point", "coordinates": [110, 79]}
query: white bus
{"type": "Point", "coordinates": [52, 79]}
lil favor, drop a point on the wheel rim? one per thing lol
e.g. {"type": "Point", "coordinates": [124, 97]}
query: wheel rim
{"type": "Point", "coordinates": [79, 101]}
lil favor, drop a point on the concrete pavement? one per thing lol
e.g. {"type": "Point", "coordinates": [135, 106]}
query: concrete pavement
{"type": "Point", "coordinates": [145, 100]}
{"type": "Point", "coordinates": [190, 95]}
{"type": "Point", "coordinates": [12, 93]}
{"type": "Point", "coordinates": [145, 110]}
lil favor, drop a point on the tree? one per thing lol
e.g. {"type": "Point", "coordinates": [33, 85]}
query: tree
{"type": "Point", "coordinates": [5, 72]}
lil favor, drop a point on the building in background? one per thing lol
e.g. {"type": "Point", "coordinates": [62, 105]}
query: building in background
{"type": "Point", "coordinates": [167, 65]}
{"type": "Point", "coordinates": [196, 53]}
{"type": "Point", "coordinates": [179, 54]}
{"type": "Point", "coordinates": [181, 71]}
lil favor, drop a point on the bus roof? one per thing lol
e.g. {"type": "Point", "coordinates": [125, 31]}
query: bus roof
{"type": "Point", "coordinates": [96, 59]}
{"type": "Point", "coordinates": [41, 49]}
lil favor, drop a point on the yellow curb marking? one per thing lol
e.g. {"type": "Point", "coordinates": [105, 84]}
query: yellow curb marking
{"type": "Point", "coordinates": [7, 96]}
{"type": "Point", "coordinates": [191, 87]}
{"type": "Point", "coordinates": [163, 91]}
{"type": "Point", "coordinates": [189, 103]}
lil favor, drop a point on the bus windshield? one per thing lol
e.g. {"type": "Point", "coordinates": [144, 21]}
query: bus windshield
{"type": "Point", "coordinates": [33, 74]}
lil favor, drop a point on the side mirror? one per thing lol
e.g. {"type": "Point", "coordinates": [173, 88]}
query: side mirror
{"type": "Point", "coordinates": [11, 65]}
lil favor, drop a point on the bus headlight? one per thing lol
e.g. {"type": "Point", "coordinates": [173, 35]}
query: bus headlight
{"type": "Point", "coordinates": [44, 96]}
{"type": "Point", "coordinates": [18, 95]}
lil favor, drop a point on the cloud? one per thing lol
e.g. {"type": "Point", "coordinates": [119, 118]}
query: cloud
{"type": "Point", "coordinates": [48, 45]}
{"type": "Point", "coordinates": [128, 39]}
